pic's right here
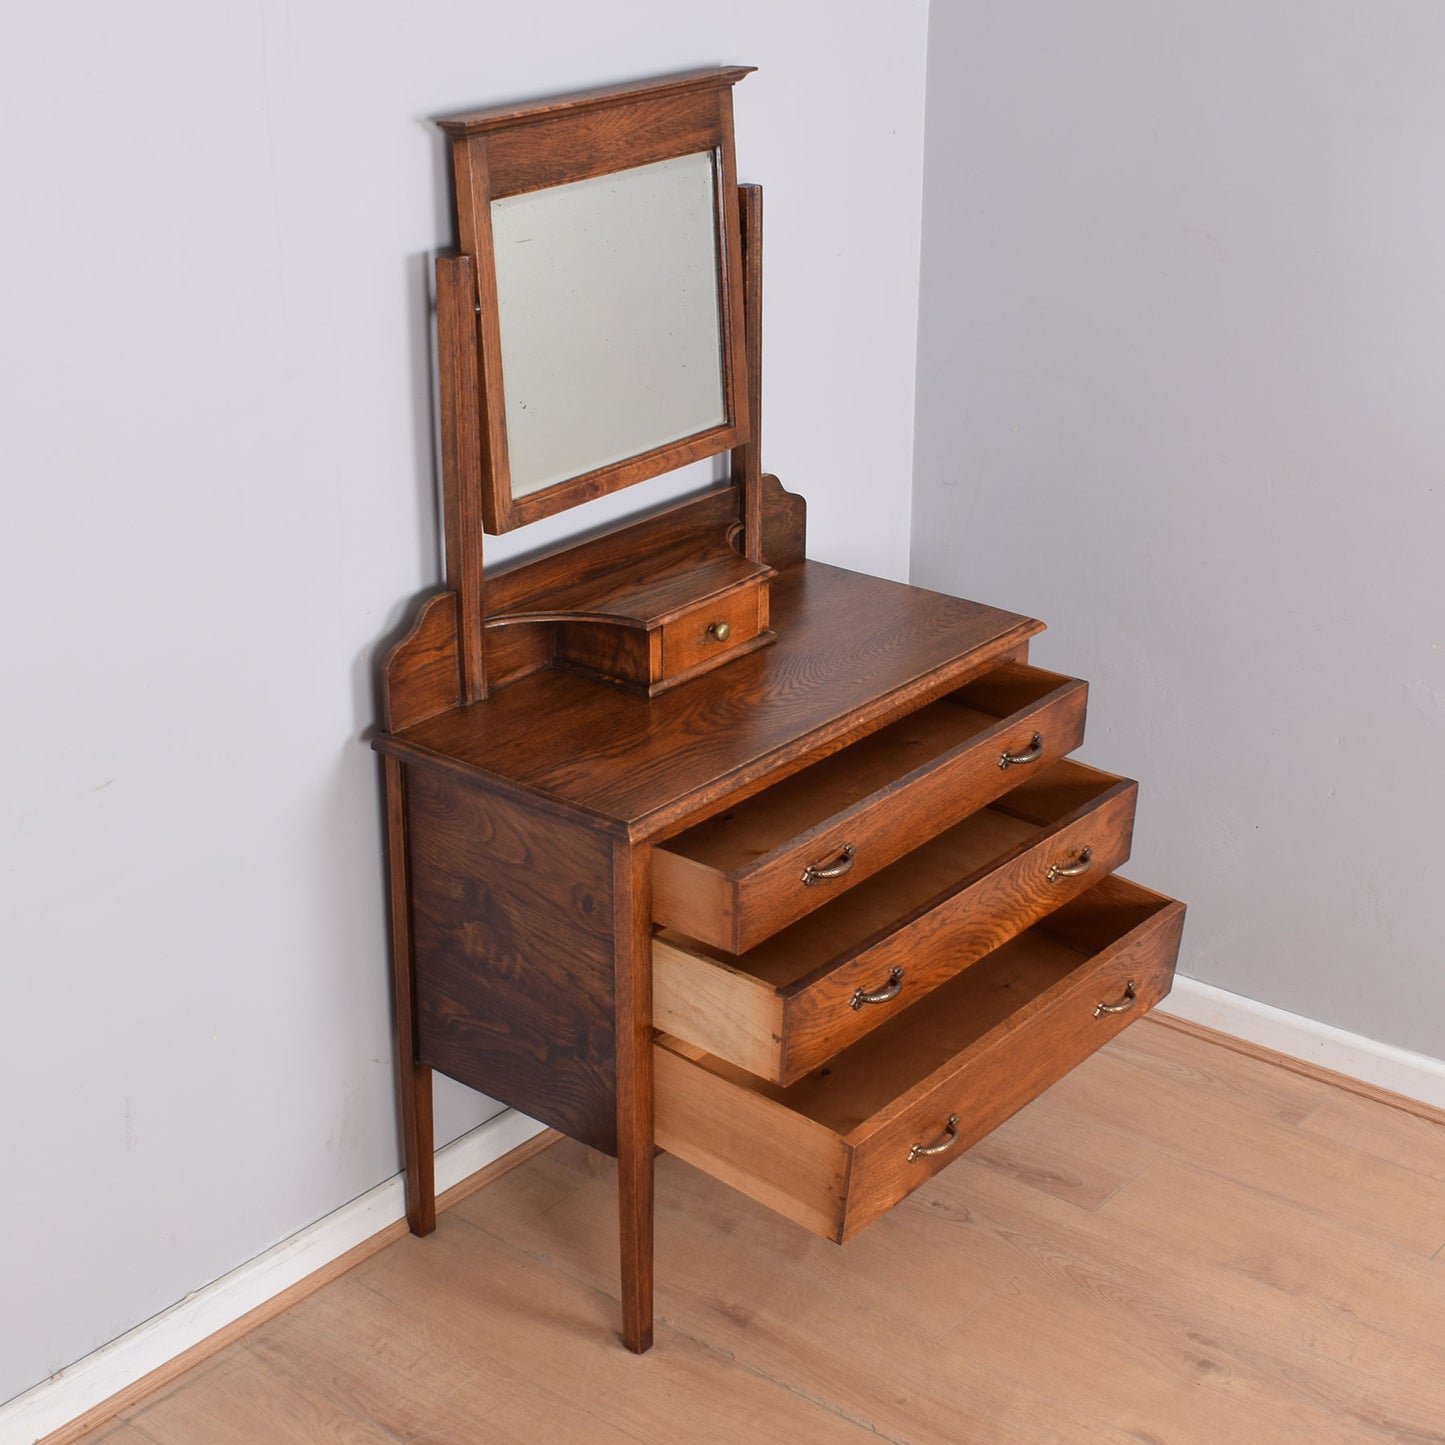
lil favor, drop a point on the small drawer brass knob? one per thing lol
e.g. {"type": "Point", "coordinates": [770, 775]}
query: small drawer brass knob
{"type": "Point", "coordinates": [720, 631]}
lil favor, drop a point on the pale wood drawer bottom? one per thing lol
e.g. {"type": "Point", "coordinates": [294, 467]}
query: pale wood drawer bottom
{"type": "Point", "coordinates": [836, 1149]}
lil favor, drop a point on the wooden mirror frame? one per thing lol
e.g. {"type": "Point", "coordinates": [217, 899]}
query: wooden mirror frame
{"type": "Point", "coordinates": [510, 150]}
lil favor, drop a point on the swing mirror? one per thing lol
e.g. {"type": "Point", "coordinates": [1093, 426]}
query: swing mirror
{"type": "Point", "coordinates": [603, 235]}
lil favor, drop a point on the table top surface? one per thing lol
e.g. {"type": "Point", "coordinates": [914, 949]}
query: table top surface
{"type": "Point", "coordinates": [853, 651]}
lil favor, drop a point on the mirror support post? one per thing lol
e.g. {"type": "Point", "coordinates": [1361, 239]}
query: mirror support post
{"type": "Point", "coordinates": [462, 461]}
{"type": "Point", "coordinates": [747, 459]}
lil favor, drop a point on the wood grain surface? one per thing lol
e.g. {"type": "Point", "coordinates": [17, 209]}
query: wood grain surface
{"type": "Point", "coordinates": [682, 547]}
{"type": "Point", "coordinates": [975, 1051]}
{"type": "Point", "coordinates": [494, 117]}
{"type": "Point", "coordinates": [460, 420]}
{"type": "Point", "coordinates": [739, 876]}
{"type": "Point", "coordinates": [690, 639]}
{"type": "Point", "coordinates": [680, 536]}
{"type": "Point", "coordinates": [512, 922]}
{"type": "Point", "coordinates": [785, 525]}
{"type": "Point", "coordinates": [421, 676]}
{"type": "Point", "coordinates": [414, 1079]}
{"type": "Point", "coordinates": [853, 653]}
{"type": "Point", "coordinates": [632, 971]}
{"type": "Point", "coordinates": [991, 907]}
{"type": "Point", "coordinates": [747, 459]}
{"type": "Point", "coordinates": [930, 915]}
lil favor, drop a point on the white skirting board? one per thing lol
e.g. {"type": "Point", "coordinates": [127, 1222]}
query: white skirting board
{"type": "Point", "coordinates": [110, 1369]}
{"type": "Point", "coordinates": [1416, 1076]}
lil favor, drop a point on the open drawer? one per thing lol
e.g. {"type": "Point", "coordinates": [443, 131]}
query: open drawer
{"type": "Point", "coordinates": [736, 878]}
{"type": "Point", "coordinates": [792, 1002]}
{"type": "Point", "coordinates": [846, 1143]}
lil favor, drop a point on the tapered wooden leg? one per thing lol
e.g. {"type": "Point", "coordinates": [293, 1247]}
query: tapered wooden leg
{"type": "Point", "coordinates": [418, 1140]}
{"type": "Point", "coordinates": [632, 920]}
{"type": "Point", "coordinates": [634, 1201]}
{"type": "Point", "coordinates": [418, 1145]}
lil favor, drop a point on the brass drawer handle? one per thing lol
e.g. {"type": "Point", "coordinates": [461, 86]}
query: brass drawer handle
{"type": "Point", "coordinates": [889, 991]}
{"type": "Point", "coordinates": [1082, 864]}
{"type": "Point", "coordinates": [941, 1145]}
{"type": "Point", "coordinates": [1131, 992]}
{"type": "Point", "coordinates": [822, 870]}
{"type": "Point", "coordinates": [720, 631]}
{"type": "Point", "coordinates": [1030, 754]}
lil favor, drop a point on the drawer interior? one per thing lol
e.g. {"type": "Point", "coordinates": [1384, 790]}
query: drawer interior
{"type": "Point", "coordinates": [869, 1075]}
{"type": "Point", "coordinates": [770, 819]}
{"type": "Point", "coordinates": [918, 880]}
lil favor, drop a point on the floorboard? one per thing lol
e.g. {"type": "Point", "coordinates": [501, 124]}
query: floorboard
{"type": "Point", "coordinates": [1179, 1244]}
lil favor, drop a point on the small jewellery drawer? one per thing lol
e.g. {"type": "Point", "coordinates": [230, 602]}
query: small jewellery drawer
{"type": "Point", "coordinates": [844, 1144]}
{"type": "Point", "coordinates": [789, 1004]}
{"type": "Point", "coordinates": [667, 641]}
{"type": "Point", "coordinates": [736, 878]}
{"type": "Point", "coordinates": [705, 634]}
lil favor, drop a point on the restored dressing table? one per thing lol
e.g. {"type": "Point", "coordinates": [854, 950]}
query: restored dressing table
{"type": "Point", "coordinates": [695, 844]}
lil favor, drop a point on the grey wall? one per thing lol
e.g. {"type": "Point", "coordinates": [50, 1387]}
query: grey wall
{"type": "Point", "coordinates": [1181, 369]}
{"type": "Point", "coordinates": [216, 394]}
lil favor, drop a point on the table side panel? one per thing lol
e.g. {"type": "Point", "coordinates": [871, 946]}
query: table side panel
{"type": "Point", "coordinates": [514, 953]}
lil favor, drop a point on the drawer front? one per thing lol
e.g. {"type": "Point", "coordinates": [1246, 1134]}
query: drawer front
{"type": "Point", "coordinates": [715, 629]}
{"type": "Point", "coordinates": [825, 1014]}
{"type": "Point", "coordinates": [844, 1145]}
{"type": "Point", "coordinates": [653, 655]}
{"type": "Point", "coordinates": [906, 931]}
{"type": "Point", "coordinates": [992, 1086]}
{"type": "Point", "coordinates": [769, 861]}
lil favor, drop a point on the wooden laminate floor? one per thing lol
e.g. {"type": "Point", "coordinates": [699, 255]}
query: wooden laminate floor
{"type": "Point", "coordinates": [1178, 1243]}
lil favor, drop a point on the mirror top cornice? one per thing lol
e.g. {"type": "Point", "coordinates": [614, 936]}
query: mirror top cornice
{"type": "Point", "coordinates": [601, 266]}
{"type": "Point", "coordinates": [497, 117]}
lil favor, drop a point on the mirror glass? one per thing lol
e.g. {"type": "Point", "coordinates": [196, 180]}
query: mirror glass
{"type": "Point", "coordinates": [608, 300]}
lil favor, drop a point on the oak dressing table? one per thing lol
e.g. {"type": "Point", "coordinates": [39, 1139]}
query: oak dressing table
{"type": "Point", "coordinates": [695, 844]}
